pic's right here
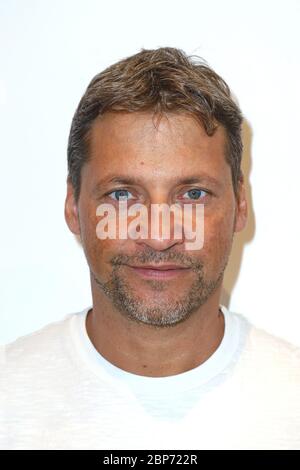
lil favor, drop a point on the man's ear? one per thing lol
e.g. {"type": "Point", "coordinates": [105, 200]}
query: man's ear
{"type": "Point", "coordinates": [71, 210]}
{"type": "Point", "coordinates": [241, 214]}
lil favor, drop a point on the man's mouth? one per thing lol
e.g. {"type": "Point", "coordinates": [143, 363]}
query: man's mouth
{"type": "Point", "coordinates": [159, 271]}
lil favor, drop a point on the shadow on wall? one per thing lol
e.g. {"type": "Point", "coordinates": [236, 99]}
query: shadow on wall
{"type": "Point", "coordinates": [245, 236]}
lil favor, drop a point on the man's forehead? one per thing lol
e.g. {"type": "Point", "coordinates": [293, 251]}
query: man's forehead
{"type": "Point", "coordinates": [176, 128]}
{"type": "Point", "coordinates": [123, 160]}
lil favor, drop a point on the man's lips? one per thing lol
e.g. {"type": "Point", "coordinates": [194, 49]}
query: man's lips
{"type": "Point", "coordinates": [159, 271]}
{"type": "Point", "coordinates": [160, 267]}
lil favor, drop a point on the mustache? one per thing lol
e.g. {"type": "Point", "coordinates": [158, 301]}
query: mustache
{"type": "Point", "coordinates": [157, 257]}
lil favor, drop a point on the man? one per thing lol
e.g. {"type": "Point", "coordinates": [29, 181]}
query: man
{"type": "Point", "coordinates": [156, 362]}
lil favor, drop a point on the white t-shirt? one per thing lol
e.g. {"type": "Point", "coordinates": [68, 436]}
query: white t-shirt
{"type": "Point", "coordinates": [58, 392]}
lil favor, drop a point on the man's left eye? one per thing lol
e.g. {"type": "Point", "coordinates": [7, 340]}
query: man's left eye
{"type": "Point", "coordinates": [195, 193]}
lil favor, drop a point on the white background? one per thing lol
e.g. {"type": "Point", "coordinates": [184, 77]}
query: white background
{"type": "Point", "coordinates": [50, 50]}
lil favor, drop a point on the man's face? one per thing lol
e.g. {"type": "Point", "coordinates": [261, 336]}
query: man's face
{"type": "Point", "coordinates": [158, 160]}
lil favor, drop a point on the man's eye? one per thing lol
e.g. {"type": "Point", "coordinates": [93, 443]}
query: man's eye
{"type": "Point", "coordinates": [195, 193]}
{"type": "Point", "coordinates": [120, 194]}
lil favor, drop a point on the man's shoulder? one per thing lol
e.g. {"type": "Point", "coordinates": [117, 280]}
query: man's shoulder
{"type": "Point", "coordinates": [258, 341]}
{"type": "Point", "coordinates": [271, 356]}
{"type": "Point", "coordinates": [272, 344]}
{"type": "Point", "coordinates": [44, 342]}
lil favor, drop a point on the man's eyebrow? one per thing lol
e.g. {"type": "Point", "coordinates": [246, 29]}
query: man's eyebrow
{"type": "Point", "coordinates": [127, 180]}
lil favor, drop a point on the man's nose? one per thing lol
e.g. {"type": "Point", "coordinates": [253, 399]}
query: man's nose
{"type": "Point", "coordinates": [158, 244]}
{"type": "Point", "coordinates": [163, 224]}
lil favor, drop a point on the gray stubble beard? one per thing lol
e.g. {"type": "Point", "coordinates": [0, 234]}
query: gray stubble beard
{"type": "Point", "coordinates": [160, 314]}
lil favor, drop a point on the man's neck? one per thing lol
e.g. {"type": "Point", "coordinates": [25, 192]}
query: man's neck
{"type": "Point", "coordinates": [151, 351]}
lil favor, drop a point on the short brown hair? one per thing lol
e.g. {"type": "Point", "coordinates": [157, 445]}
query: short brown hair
{"type": "Point", "coordinates": [158, 80]}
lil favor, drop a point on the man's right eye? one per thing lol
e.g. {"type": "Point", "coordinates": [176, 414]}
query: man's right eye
{"type": "Point", "coordinates": [120, 195]}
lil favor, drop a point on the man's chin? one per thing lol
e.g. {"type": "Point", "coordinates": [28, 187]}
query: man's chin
{"type": "Point", "coordinates": [159, 308]}
{"type": "Point", "coordinates": [157, 316]}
